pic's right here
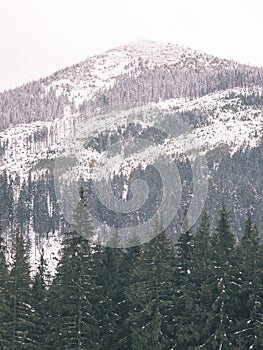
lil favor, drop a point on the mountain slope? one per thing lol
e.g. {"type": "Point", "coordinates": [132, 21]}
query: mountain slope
{"type": "Point", "coordinates": [219, 101]}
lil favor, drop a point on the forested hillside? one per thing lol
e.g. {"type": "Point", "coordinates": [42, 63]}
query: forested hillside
{"type": "Point", "coordinates": [193, 287]}
{"type": "Point", "coordinates": [203, 292]}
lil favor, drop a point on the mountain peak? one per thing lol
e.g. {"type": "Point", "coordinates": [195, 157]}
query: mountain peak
{"type": "Point", "coordinates": [164, 54]}
{"type": "Point", "coordinates": [151, 44]}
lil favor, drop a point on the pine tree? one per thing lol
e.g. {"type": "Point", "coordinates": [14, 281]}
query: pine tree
{"type": "Point", "coordinates": [21, 317]}
{"type": "Point", "coordinates": [150, 294]}
{"type": "Point", "coordinates": [109, 296]}
{"type": "Point", "coordinates": [4, 301]}
{"type": "Point", "coordinates": [250, 313]}
{"type": "Point", "coordinates": [39, 303]}
{"type": "Point", "coordinates": [82, 218]}
{"type": "Point", "coordinates": [223, 240]}
{"type": "Point", "coordinates": [202, 246]}
{"type": "Point", "coordinates": [192, 285]}
{"type": "Point", "coordinates": [186, 306]}
{"type": "Point", "coordinates": [221, 323]}
{"type": "Point", "coordinates": [110, 274]}
{"type": "Point", "coordinates": [71, 314]}
{"type": "Point", "coordinates": [129, 258]}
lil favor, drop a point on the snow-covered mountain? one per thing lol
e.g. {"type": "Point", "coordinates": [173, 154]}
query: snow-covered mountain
{"type": "Point", "coordinates": [226, 119]}
{"type": "Point", "coordinates": [141, 83]}
{"type": "Point", "coordinates": [37, 116]}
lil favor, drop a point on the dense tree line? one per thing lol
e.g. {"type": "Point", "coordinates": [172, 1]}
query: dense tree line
{"type": "Point", "coordinates": [168, 82]}
{"type": "Point", "coordinates": [31, 204]}
{"type": "Point", "coordinates": [29, 103]}
{"type": "Point", "coordinates": [48, 98]}
{"type": "Point", "coordinates": [202, 292]}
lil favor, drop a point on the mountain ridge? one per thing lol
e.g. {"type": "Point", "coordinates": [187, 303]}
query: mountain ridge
{"type": "Point", "coordinates": [222, 104]}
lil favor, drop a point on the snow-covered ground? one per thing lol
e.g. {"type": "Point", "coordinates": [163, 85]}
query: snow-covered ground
{"type": "Point", "coordinates": [83, 80]}
{"type": "Point", "coordinates": [228, 122]}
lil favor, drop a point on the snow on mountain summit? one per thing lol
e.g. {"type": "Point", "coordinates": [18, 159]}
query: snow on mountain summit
{"type": "Point", "coordinates": [37, 116]}
{"type": "Point", "coordinates": [221, 100]}
{"type": "Point", "coordinates": [84, 79]}
{"type": "Point", "coordinates": [168, 53]}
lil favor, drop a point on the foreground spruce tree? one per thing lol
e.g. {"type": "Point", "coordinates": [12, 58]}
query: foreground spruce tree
{"type": "Point", "coordinates": [39, 303]}
{"type": "Point", "coordinates": [4, 297]}
{"type": "Point", "coordinates": [109, 276]}
{"type": "Point", "coordinates": [184, 292]}
{"type": "Point", "coordinates": [72, 322]}
{"type": "Point", "coordinates": [250, 312]}
{"type": "Point", "coordinates": [221, 319]}
{"type": "Point", "coordinates": [71, 315]}
{"type": "Point", "coordinates": [21, 316]}
{"type": "Point", "coordinates": [192, 278]}
{"type": "Point", "coordinates": [129, 257]}
{"type": "Point", "coordinates": [150, 293]}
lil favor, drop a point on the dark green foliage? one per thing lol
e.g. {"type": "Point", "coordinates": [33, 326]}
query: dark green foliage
{"type": "Point", "coordinates": [250, 313]}
{"type": "Point", "coordinates": [71, 315]}
{"type": "Point", "coordinates": [4, 278]}
{"type": "Point", "coordinates": [110, 276]}
{"type": "Point", "coordinates": [39, 302]}
{"type": "Point", "coordinates": [149, 293]}
{"type": "Point", "coordinates": [220, 326]}
{"type": "Point", "coordinates": [223, 240]}
{"type": "Point", "coordinates": [192, 281]}
{"type": "Point", "coordinates": [21, 317]}
{"type": "Point", "coordinates": [203, 292]}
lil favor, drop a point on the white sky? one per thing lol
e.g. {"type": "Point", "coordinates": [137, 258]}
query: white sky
{"type": "Point", "coordinates": [38, 37]}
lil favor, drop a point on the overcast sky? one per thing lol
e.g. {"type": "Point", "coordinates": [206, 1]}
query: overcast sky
{"type": "Point", "coordinates": [38, 37]}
